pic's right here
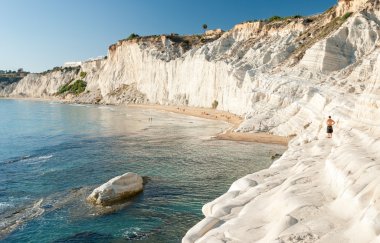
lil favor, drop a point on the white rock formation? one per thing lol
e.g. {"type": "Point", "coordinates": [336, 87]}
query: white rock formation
{"type": "Point", "coordinates": [355, 39]}
{"type": "Point", "coordinates": [345, 6]}
{"type": "Point", "coordinates": [44, 85]}
{"type": "Point", "coordinates": [285, 77]}
{"type": "Point", "coordinates": [117, 189]}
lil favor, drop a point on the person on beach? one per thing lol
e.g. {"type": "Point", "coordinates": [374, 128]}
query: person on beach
{"type": "Point", "coordinates": [330, 122]}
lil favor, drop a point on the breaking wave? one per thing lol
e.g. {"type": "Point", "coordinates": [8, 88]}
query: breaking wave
{"type": "Point", "coordinates": [29, 159]}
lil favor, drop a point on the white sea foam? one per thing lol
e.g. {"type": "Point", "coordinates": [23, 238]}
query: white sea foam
{"type": "Point", "coordinates": [15, 219]}
{"type": "Point", "coordinates": [133, 233]}
{"type": "Point", "coordinates": [38, 159]}
{"type": "Point", "coordinates": [106, 108]}
{"type": "Point", "coordinates": [45, 157]}
{"type": "Point", "coordinates": [130, 230]}
{"type": "Point", "coordinates": [5, 206]}
{"type": "Point", "coordinates": [78, 104]}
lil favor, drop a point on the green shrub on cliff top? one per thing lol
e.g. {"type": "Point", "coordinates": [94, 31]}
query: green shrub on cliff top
{"type": "Point", "coordinates": [75, 88]}
{"type": "Point", "coordinates": [278, 18]}
{"type": "Point", "coordinates": [275, 18]}
{"type": "Point", "coordinates": [132, 36]}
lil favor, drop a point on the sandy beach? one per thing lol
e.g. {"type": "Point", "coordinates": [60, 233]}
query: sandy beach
{"type": "Point", "coordinates": [254, 137]}
{"type": "Point", "coordinates": [206, 113]}
{"type": "Point", "coordinates": [214, 114]}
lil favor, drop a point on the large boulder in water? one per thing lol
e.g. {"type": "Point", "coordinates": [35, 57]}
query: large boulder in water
{"type": "Point", "coordinates": [117, 189]}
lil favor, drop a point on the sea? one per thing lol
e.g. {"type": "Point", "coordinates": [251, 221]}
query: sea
{"type": "Point", "coordinates": [52, 155]}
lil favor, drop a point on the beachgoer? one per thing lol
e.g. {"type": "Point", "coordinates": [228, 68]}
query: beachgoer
{"type": "Point", "coordinates": [330, 122]}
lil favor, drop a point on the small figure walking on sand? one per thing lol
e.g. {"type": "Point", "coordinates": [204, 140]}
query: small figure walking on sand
{"type": "Point", "coordinates": [330, 122]}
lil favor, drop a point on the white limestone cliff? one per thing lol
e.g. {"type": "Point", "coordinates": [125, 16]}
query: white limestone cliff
{"type": "Point", "coordinates": [355, 39]}
{"type": "Point", "coordinates": [285, 77]}
{"type": "Point", "coordinates": [320, 190]}
{"type": "Point", "coordinates": [345, 6]}
{"type": "Point", "coordinates": [44, 85]}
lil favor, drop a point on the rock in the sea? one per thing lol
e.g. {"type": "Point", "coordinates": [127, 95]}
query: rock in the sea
{"type": "Point", "coordinates": [117, 189]}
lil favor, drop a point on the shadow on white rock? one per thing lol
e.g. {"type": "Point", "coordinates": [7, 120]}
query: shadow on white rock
{"type": "Point", "coordinates": [117, 189]}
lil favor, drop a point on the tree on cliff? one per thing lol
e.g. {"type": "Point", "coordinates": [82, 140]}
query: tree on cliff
{"type": "Point", "coordinates": [204, 26]}
{"type": "Point", "coordinates": [133, 36]}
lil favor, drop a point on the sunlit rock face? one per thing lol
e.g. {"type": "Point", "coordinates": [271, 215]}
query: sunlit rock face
{"type": "Point", "coordinates": [117, 189]}
{"type": "Point", "coordinates": [44, 85]}
{"type": "Point", "coordinates": [285, 77]}
{"type": "Point", "coordinates": [355, 39]}
{"type": "Point", "coordinates": [345, 6]}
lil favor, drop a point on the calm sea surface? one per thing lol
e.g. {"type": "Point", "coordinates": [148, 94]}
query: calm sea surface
{"type": "Point", "coordinates": [53, 155]}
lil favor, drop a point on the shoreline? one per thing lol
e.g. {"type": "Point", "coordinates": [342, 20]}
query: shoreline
{"type": "Point", "coordinates": [254, 137]}
{"type": "Point", "coordinates": [218, 115]}
{"type": "Point", "coordinates": [206, 113]}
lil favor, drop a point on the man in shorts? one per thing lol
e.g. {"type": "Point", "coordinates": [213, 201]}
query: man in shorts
{"type": "Point", "coordinates": [330, 122]}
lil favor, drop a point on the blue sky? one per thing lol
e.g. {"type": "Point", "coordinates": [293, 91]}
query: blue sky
{"type": "Point", "coordinates": [40, 34]}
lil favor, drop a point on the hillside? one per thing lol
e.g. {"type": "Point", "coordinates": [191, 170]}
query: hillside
{"type": "Point", "coordinates": [8, 76]}
{"type": "Point", "coordinates": [285, 77]}
{"type": "Point", "coordinates": [9, 79]}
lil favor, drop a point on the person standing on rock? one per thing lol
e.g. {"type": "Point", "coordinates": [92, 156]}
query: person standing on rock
{"type": "Point", "coordinates": [330, 122]}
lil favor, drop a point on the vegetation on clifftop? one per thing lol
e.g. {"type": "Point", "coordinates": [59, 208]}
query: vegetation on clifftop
{"type": "Point", "coordinates": [9, 76]}
{"type": "Point", "coordinates": [132, 36]}
{"type": "Point", "coordinates": [186, 42]}
{"type": "Point", "coordinates": [275, 18]}
{"type": "Point", "coordinates": [318, 32]}
{"type": "Point", "coordinates": [62, 69]}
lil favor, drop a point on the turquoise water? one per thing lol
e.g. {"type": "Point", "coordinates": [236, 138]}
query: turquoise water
{"type": "Point", "coordinates": [53, 155]}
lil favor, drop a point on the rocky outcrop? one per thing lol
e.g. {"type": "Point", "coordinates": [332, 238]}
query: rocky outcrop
{"type": "Point", "coordinates": [126, 94]}
{"type": "Point", "coordinates": [117, 189]}
{"type": "Point", "coordinates": [345, 6]}
{"type": "Point", "coordinates": [6, 89]}
{"type": "Point", "coordinates": [353, 40]}
{"type": "Point", "coordinates": [44, 85]}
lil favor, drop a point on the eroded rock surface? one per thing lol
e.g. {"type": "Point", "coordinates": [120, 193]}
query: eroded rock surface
{"type": "Point", "coordinates": [117, 189]}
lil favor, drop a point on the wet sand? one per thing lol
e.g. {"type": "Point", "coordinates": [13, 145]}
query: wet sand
{"type": "Point", "coordinates": [253, 137]}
